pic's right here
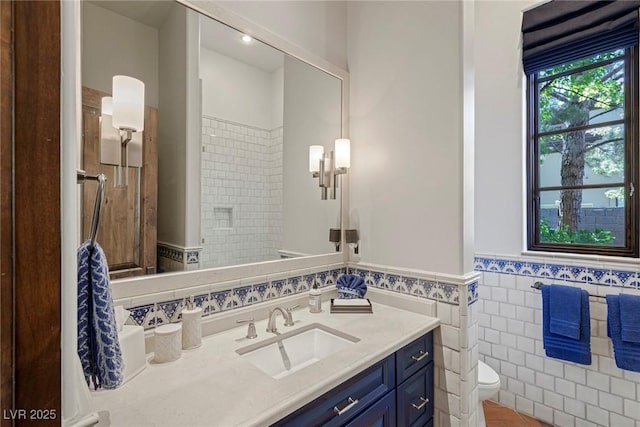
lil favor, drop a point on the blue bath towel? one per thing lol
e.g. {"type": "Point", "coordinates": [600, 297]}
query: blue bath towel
{"type": "Point", "coordinates": [562, 347]}
{"type": "Point", "coordinates": [98, 345]}
{"type": "Point", "coordinates": [630, 318]}
{"type": "Point", "coordinates": [627, 354]}
{"type": "Point", "coordinates": [564, 311]}
{"type": "Point", "coordinates": [351, 286]}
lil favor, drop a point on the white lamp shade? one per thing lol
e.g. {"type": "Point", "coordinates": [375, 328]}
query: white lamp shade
{"type": "Point", "coordinates": [107, 106]}
{"type": "Point", "coordinates": [128, 103]}
{"type": "Point", "coordinates": [343, 153]}
{"type": "Point", "coordinates": [316, 152]}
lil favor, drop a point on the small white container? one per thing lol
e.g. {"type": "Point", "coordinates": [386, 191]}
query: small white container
{"type": "Point", "coordinates": [315, 299]}
{"type": "Point", "coordinates": [191, 326]}
{"type": "Point", "coordinates": [132, 346]}
{"type": "Point", "coordinates": [167, 343]}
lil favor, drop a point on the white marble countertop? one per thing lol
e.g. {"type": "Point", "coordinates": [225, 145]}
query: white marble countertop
{"type": "Point", "coordinates": [214, 386]}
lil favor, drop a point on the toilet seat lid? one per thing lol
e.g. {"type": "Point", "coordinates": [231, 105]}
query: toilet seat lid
{"type": "Point", "coordinates": [486, 375]}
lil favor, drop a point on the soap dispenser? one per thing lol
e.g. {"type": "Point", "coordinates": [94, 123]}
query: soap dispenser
{"type": "Point", "coordinates": [315, 299]}
{"type": "Point", "coordinates": [191, 325]}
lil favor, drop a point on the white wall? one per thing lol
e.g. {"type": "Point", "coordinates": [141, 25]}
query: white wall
{"type": "Point", "coordinates": [312, 116]}
{"type": "Point", "coordinates": [238, 92]}
{"type": "Point", "coordinates": [406, 129]}
{"type": "Point", "coordinates": [113, 44]}
{"type": "Point", "coordinates": [317, 26]}
{"type": "Point", "coordinates": [500, 147]}
{"type": "Point", "coordinates": [172, 160]}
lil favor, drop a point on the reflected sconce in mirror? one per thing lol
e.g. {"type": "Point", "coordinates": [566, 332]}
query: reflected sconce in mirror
{"type": "Point", "coordinates": [352, 238]}
{"type": "Point", "coordinates": [327, 166]}
{"type": "Point", "coordinates": [121, 126]}
{"type": "Point", "coordinates": [334, 237]}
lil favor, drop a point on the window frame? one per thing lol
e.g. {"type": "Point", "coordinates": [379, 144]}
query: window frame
{"type": "Point", "coordinates": [631, 176]}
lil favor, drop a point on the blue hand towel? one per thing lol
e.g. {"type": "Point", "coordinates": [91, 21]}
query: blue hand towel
{"type": "Point", "coordinates": [630, 318]}
{"type": "Point", "coordinates": [627, 354]}
{"type": "Point", "coordinates": [564, 311]}
{"type": "Point", "coordinates": [562, 347]}
{"type": "Point", "coordinates": [351, 286]}
{"type": "Point", "coordinates": [98, 345]}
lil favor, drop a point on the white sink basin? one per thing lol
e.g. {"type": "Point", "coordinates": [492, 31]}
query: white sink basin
{"type": "Point", "coordinates": [285, 354]}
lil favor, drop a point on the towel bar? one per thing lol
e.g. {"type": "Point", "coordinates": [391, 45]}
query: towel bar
{"type": "Point", "coordinates": [538, 285]}
{"type": "Point", "coordinates": [82, 176]}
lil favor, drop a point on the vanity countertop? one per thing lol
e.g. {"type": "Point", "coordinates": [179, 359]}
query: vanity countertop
{"type": "Point", "coordinates": [214, 386]}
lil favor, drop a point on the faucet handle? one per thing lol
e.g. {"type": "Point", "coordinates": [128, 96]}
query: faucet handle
{"type": "Point", "coordinates": [251, 331]}
{"type": "Point", "coordinates": [289, 319]}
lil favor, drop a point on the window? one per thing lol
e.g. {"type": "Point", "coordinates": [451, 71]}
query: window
{"type": "Point", "coordinates": [583, 154]}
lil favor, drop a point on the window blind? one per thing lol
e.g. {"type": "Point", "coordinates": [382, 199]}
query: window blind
{"type": "Point", "coordinates": [562, 31]}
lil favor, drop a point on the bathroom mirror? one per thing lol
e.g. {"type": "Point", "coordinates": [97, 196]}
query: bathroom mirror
{"type": "Point", "coordinates": [230, 120]}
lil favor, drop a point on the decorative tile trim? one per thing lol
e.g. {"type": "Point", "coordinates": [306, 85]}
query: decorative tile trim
{"type": "Point", "coordinates": [168, 311]}
{"type": "Point", "coordinates": [437, 290]}
{"type": "Point", "coordinates": [186, 258]}
{"type": "Point", "coordinates": [618, 277]}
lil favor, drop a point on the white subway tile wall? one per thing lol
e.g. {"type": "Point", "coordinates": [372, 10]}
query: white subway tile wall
{"type": "Point", "coordinates": [241, 193]}
{"type": "Point", "coordinates": [510, 341]}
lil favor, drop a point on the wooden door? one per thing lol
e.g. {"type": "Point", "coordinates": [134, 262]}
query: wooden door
{"type": "Point", "coordinates": [30, 220]}
{"type": "Point", "coordinates": [128, 227]}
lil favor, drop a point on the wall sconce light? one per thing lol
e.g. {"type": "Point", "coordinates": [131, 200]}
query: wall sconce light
{"type": "Point", "coordinates": [334, 237]}
{"type": "Point", "coordinates": [327, 166]}
{"type": "Point", "coordinates": [352, 238]}
{"type": "Point", "coordinates": [121, 126]}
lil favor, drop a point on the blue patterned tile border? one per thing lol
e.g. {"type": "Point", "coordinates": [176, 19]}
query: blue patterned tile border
{"type": "Point", "coordinates": [430, 289]}
{"type": "Point", "coordinates": [162, 312]}
{"type": "Point", "coordinates": [170, 253]}
{"type": "Point", "coordinates": [624, 278]}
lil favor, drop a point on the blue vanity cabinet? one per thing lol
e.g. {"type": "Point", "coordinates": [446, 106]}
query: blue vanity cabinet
{"type": "Point", "coordinates": [414, 376]}
{"type": "Point", "coordinates": [381, 414]}
{"type": "Point", "coordinates": [397, 391]}
{"type": "Point", "coordinates": [343, 403]}
{"type": "Point", "coordinates": [415, 399]}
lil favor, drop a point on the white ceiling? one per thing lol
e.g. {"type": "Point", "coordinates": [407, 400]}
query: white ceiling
{"type": "Point", "coordinates": [213, 35]}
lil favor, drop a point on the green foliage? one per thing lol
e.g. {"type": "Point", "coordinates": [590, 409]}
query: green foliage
{"type": "Point", "coordinates": [583, 98]}
{"type": "Point", "coordinates": [564, 235]}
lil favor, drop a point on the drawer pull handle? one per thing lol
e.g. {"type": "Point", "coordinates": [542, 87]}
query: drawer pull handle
{"type": "Point", "coordinates": [421, 405]}
{"type": "Point", "coordinates": [351, 404]}
{"type": "Point", "coordinates": [420, 356]}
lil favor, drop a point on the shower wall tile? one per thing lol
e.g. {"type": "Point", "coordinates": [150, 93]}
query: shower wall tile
{"type": "Point", "coordinates": [241, 193]}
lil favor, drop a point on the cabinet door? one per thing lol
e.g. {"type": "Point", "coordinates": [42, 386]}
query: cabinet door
{"type": "Point", "coordinates": [342, 404]}
{"type": "Point", "coordinates": [382, 414]}
{"type": "Point", "coordinates": [415, 399]}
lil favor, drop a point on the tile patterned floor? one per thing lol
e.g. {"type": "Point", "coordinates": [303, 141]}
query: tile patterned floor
{"type": "Point", "coordinates": [497, 415]}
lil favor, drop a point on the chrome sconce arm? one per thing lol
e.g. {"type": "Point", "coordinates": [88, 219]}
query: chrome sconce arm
{"type": "Point", "coordinates": [327, 166]}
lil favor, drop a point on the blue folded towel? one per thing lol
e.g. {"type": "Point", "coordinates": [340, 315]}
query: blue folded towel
{"type": "Point", "coordinates": [560, 346]}
{"type": "Point", "coordinates": [351, 286]}
{"type": "Point", "coordinates": [564, 310]}
{"type": "Point", "coordinates": [627, 354]}
{"type": "Point", "coordinates": [98, 345]}
{"type": "Point", "coordinates": [630, 318]}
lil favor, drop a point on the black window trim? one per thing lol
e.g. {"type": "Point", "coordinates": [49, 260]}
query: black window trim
{"type": "Point", "coordinates": [632, 202]}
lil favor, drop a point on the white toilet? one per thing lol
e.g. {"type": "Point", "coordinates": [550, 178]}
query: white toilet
{"type": "Point", "coordinates": [488, 387]}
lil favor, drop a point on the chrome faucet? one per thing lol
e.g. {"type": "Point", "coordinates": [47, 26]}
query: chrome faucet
{"type": "Point", "coordinates": [286, 314]}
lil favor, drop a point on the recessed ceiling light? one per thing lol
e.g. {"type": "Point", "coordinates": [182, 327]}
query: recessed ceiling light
{"type": "Point", "coordinates": [246, 38]}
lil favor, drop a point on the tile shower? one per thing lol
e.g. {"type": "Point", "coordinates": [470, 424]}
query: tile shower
{"type": "Point", "coordinates": [241, 193]}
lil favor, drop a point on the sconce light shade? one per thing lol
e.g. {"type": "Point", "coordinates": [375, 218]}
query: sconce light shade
{"type": "Point", "coordinates": [343, 153]}
{"type": "Point", "coordinates": [351, 236]}
{"type": "Point", "coordinates": [106, 107]}
{"type": "Point", "coordinates": [316, 153]}
{"type": "Point", "coordinates": [128, 103]}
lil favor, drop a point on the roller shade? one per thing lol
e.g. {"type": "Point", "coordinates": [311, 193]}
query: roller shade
{"type": "Point", "coordinates": [562, 31]}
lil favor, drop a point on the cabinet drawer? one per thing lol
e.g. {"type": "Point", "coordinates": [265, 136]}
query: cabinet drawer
{"type": "Point", "coordinates": [413, 357]}
{"type": "Point", "coordinates": [349, 398]}
{"type": "Point", "coordinates": [381, 414]}
{"type": "Point", "coordinates": [415, 399]}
